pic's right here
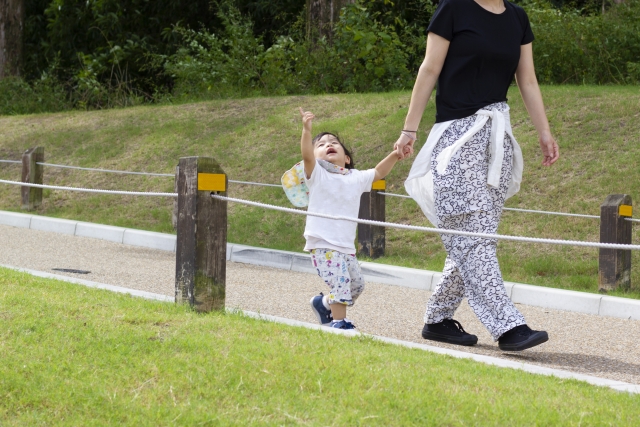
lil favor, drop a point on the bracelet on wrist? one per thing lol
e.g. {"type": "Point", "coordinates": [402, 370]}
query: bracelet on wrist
{"type": "Point", "coordinates": [408, 135]}
{"type": "Point", "coordinates": [407, 130]}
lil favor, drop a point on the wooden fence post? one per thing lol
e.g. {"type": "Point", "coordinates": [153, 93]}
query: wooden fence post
{"type": "Point", "coordinates": [201, 250]}
{"type": "Point", "coordinates": [371, 238]}
{"type": "Point", "coordinates": [614, 267]}
{"type": "Point", "coordinates": [174, 214]}
{"type": "Point", "coordinates": [32, 173]}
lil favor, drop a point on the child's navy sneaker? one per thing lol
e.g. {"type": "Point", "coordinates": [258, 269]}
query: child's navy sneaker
{"type": "Point", "coordinates": [322, 313]}
{"type": "Point", "coordinates": [342, 324]}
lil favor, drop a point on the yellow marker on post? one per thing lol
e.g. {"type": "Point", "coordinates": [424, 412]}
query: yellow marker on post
{"type": "Point", "coordinates": [625, 210]}
{"type": "Point", "coordinates": [379, 185]}
{"type": "Point", "coordinates": [212, 182]}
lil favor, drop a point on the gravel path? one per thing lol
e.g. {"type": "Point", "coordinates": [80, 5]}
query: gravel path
{"type": "Point", "coordinates": [599, 346]}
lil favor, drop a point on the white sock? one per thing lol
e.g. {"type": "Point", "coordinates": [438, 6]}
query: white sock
{"type": "Point", "coordinates": [325, 302]}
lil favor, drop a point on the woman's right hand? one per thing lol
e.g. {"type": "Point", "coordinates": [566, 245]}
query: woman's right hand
{"type": "Point", "coordinates": [404, 146]}
{"type": "Point", "coordinates": [549, 148]}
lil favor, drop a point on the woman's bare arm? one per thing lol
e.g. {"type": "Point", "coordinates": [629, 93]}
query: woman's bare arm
{"type": "Point", "coordinates": [530, 91]}
{"type": "Point", "coordinates": [437, 48]}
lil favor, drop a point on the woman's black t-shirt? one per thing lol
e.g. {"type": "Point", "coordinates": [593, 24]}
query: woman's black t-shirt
{"type": "Point", "coordinates": [483, 55]}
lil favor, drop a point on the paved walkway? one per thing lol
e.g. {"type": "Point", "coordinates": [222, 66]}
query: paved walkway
{"type": "Point", "coordinates": [594, 345]}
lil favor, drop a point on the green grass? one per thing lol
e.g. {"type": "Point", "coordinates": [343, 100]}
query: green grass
{"type": "Point", "coordinates": [258, 139]}
{"type": "Point", "coordinates": [79, 356]}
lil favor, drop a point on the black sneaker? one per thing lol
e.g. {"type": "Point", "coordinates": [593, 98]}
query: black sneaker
{"type": "Point", "coordinates": [449, 331]}
{"type": "Point", "coordinates": [521, 338]}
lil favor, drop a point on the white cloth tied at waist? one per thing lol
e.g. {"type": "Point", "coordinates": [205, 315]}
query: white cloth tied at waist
{"type": "Point", "coordinates": [496, 145]}
{"type": "Point", "coordinates": [419, 184]}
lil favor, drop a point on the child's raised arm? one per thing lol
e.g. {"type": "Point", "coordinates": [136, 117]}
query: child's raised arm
{"type": "Point", "coordinates": [306, 146]}
{"type": "Point", "coordinates": [384, 167]}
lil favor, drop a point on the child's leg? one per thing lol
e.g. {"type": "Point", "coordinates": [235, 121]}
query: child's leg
{"type": "Point", "coordinates": [356, 282]}
{"type": "Point", "coordinates": [333, 267]}
{"type": "Point", "coordinates": [338, 311]}
{"type": "Point", "coordinates": [355, 274]}
{"type": "Point", "coordinates": [356, 287]}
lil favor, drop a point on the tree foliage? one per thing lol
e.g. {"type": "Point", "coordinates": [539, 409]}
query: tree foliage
{"type": "Point", "coordinates": [104, 53]}
{"type": "Point", "coordinates": [107, 40]}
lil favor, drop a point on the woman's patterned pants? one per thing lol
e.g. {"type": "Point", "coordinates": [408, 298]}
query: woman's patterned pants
{"type": "Point", "coordinates": [465, 202]}
{"type": "Point", "coordinates": [341, 272]}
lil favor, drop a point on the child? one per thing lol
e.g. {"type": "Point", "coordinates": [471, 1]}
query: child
{"type": "Point", "coordinates": [335, 188]}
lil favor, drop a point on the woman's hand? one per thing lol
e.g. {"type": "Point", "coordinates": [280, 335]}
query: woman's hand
{"type": "Point", "coordinates": [404, 146]}
{"type": "Point", "coordinates": [550, 150]}
{"type": "Point", "coordinates": [530, 91]}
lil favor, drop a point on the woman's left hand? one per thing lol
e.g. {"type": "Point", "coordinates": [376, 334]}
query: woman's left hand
{"type": "Point", "coordinates": [404, 146]}
{"type": "Point", "coordinates": [550, 149]}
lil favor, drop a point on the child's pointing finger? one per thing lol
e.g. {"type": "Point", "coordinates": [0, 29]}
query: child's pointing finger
{"type": "Point", "coordinates": [306, 115]}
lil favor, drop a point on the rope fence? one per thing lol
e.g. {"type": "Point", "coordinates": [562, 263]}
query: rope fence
{"type": "Point", "coordinates": [384, 193]}
{"type": "Point", "coordinates": [255, 183]}
{"type": "Point", "coordinates": [356, 220]}
{"type": "Point", "coordinates": [136, 173]}
{"type": "Point", "coordinates": [89, 190]}
{"type": "Point", "coordinates": [103, 170]}
{"type": "Point", "coordinates": [520, 210]}
{"type": "Point", "coordinates": [511, 209]}
{"type": "Point", "coordinates": [430, 229]}
{"type": "Point", "coordinates": [201, 190]}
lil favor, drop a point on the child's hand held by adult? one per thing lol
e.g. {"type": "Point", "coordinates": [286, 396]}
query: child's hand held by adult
{"type": "Point", "coordinates": [407, 151]}
{"type": "Point", "coordinates": [404, 146]}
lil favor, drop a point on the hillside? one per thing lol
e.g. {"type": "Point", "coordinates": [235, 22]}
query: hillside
{"type": "Point", "coordinates": [257, 140]}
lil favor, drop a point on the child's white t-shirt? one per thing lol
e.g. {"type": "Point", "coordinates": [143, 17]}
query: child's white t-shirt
{"type": "Point", "coordinates": [338, 195]}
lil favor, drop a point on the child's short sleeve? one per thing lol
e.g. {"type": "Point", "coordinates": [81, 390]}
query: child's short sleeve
{"type": "Point", "coordinates": [442, 20]}
{"type": "Point", "coordinates": [366, 179]}
{"type": "Point", "coordinates": [315, 176]}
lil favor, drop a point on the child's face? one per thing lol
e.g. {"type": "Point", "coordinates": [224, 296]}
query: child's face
{"type": "Point", "coordinates": [329, 148]}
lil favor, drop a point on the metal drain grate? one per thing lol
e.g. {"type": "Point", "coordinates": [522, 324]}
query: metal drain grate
{"type": "Point", "coordinates": [71, 270]}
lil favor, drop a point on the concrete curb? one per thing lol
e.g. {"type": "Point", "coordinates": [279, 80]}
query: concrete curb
{"type": "Point", "coordinates": [90, 284]}
{"type": "Point", "coordinates": [558, 299]}
{"type": "Point", "coordinates": [495, 361]}
{"type": "Point", "coordinates": [127, 236]}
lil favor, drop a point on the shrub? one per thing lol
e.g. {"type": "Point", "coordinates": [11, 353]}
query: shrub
{"type": "Point", "coordinates": [363, 55]}
{"type": "Point", "coordinates": [231, 63]}
{"type": "Point", "coordinates": [595, 49]}
{"type": "Point", "coordinates": [43, 95]}
{"type": "Point", "coordinates": [366, 55]}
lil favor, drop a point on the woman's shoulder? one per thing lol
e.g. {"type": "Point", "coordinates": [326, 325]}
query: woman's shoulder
{"type": "Point", "coordinates": [456, 4]}
{"type": "Point", "coordinates": [520, 13]}
{"type": "Point", "coordinates": [519, 10]}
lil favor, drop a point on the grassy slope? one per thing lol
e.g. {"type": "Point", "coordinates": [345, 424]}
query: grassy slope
{"type": "Point", "coordinates": [257, 139]}
{"type": "Point", "coordinates": [76, 356]}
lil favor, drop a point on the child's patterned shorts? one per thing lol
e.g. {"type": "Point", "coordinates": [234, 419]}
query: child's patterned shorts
{"type": "Point", "coordinates": [341, 272]}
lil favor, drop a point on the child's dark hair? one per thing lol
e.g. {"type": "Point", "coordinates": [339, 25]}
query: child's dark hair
{"type": "Point", "coordinates": [349, 165]}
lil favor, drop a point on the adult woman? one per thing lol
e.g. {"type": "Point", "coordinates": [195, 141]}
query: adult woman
{"type": "Point", "coordinates": [471, 162]}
